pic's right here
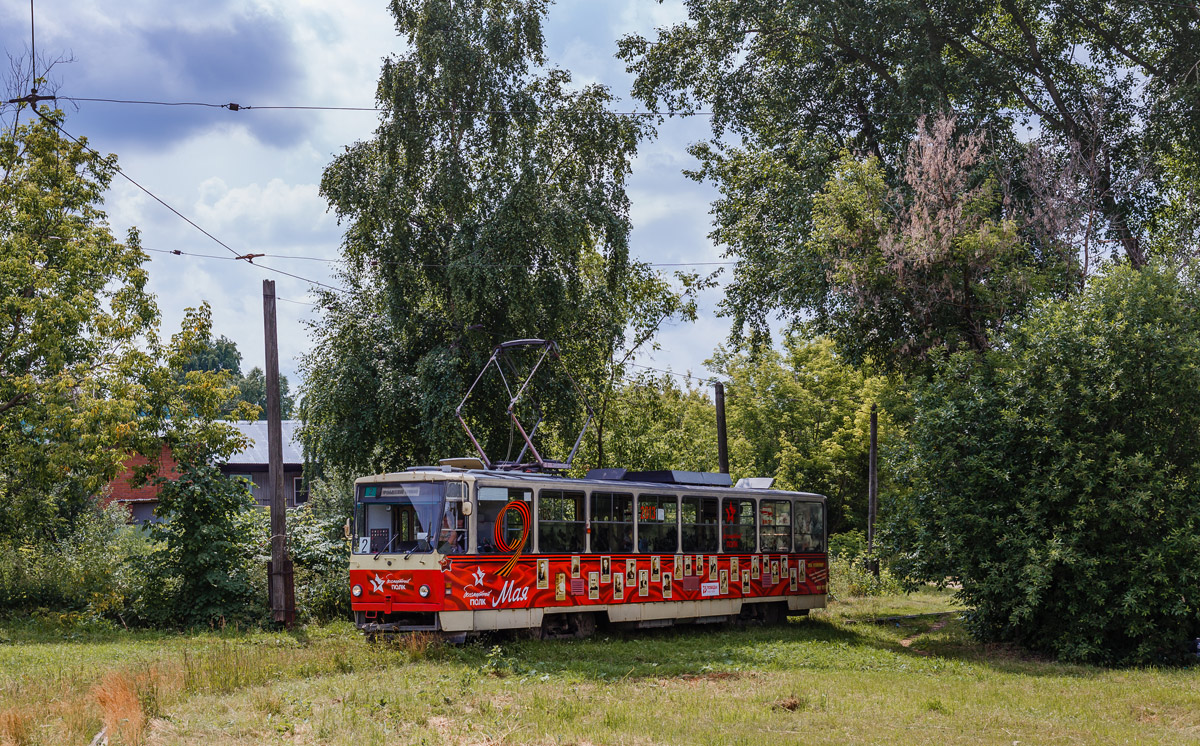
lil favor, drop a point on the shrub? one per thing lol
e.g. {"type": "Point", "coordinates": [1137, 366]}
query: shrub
{"type": "Point", "coordinates": [848, 544]}
{"type": "Point", "coordinates": [205, 553]}
{"type": "Point", "coordinates": [852, 577]}
{"type": "Point", "coordinates": [88, 572]}
{"type": "Point", "coordinates": [320, 550]}
{"type": "Point", "coordinates": [1056, 477]}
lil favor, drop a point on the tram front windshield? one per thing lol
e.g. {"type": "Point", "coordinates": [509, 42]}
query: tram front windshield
{"type": "Point", "coordinates": [398, 518]}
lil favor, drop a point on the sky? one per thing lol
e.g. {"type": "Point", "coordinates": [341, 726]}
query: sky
{"type": "Point", "coordinates": [250, 178]}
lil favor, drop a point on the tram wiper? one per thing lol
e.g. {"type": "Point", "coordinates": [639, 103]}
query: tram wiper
{"type": "Point", "coordinates": [387, 547]}
{"type": "Point", "coordinates": [414, 548]}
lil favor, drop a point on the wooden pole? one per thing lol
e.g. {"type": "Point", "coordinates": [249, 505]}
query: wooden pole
{"type": "Point", "coordinates": [873, 489]}
{"type": "Point", "coordinates": [722, 443]}
{"type": "Point", "coordinates": [281, 592]}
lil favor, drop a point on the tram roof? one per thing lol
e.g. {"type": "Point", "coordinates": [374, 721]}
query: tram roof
{"type": "Point", "coordinates": [656, 480]}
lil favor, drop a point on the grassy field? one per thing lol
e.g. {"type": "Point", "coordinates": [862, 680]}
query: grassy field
{"type": "Point", "coordinates": [834, 677]}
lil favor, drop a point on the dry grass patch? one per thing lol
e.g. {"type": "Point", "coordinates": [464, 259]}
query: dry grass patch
{"type": "Point", "coordinates": [16, 727]}
{"type": "Point", "coordinates": [124, 717]}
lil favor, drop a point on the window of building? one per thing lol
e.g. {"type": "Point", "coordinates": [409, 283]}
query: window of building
{"type": "Point", "coordinates": [561, 526]}
{"type": "Point", "coordinates": [300, 490]}
{"type": "Point", "coordinates": [658, 523]}
{"type": "Point", "coordinates": [492, 501]}
{"type": "Point", "coordinates": [737, 525]}
{"type": "Point", "coordinates": [263, 498]}
{"type": "Point", "coordinates": [612, 522]}
{"type": "Point", "coordinates": [775, 525]}
{"type": "Point", "coordinates": [698, 516]}
{"type": "Point", "coordinates": [810, 527]}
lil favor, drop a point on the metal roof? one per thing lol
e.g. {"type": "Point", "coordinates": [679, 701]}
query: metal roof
{"type": "Point", "coordinates": [569, 482]}
{"type": "Point", "coordinates": [256, 452]}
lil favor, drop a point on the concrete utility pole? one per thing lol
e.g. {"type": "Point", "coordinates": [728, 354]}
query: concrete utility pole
{"type": "Point", "coordinates": [873, 490]}
{"type": "Point", "coordinates": [722, 443]}
{"type": "Point", "coordinates": [282, 592]}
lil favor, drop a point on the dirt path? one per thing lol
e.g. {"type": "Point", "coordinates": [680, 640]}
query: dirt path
{"type": "Point", "coordinates": [908, 641]}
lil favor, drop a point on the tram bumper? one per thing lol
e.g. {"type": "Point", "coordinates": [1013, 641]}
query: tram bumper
{"type": "Point", "coordinates": [372, 622]}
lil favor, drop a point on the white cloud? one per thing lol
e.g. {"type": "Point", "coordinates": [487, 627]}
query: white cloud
{"type": "Point", "coordinates": [250, 177]}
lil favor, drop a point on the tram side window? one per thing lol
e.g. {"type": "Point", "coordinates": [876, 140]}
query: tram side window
{"type": "Point", "coordinates": [775, 525]}
{"type": "Point", "coordinates": [658, 521]}
{"type": "Point", "coordinates": [491, 503]}
{"type": "Point", "coordinates": [810, 527]}
{"type": "Point", "coordinates": [612, 522]}
{"type": "Point", "coordinates": [737, 525]}
{"type": "Point", "coordinates": [561, 527]}
{"type": "Point", "coordinates": [699, 518]}
{"type": "Point", "coordinates": [452, 537]}
{"type": "Point", "coordinates": [362, 544]}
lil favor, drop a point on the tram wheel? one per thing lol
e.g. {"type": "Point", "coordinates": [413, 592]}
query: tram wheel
{"type": "Point", "coordinates": [584, 624]}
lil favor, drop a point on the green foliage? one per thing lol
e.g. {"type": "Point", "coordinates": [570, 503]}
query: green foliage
{"type": "Point", "coordinates": [848, 544]}
{"type": "Point", "coordinates": [490, 205]}
{"type": "Point", "coordinates": [935, 263]}
{"type": "Point", "coordinates": [320, 548]}
{"type": "Point", "coordinates": [204, 556]}
{"type": "Point", "coordinates": [1055, 479]}
{"type": "Point", "coordinates": [653, 423]}
{"type": "Point", "coordinates": [852, 577]}
{"type": "Point", "coordinates": [221, 355]}
{"type": "Point", "coordinates": [252, 389]}
{"type": "Point", "coordinates": [86, 572]}
{"type": "Point", "coordinates": [794, 83]}
{"type": "Point", "coordinates": [215, 355]}
{"type": "Point", "coordinates": [73, 307]}
{"type": "Point", "coordinates": [803, 417]}
{"type": "Point", "coordinates": [201, 572]}
{"type": "Point", "coordinates": [321, 553]}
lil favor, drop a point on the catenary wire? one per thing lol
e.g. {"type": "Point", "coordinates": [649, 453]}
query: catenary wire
{"type": "Point", "coordinates": [232, 106]}
{"type": "Point", "coordinates": [185, 218]}
{"type": "Point", "coordinates": [329, 260]}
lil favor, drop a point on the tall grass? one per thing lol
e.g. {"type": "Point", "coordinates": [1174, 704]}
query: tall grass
{"type": "Point", "coordinates": [16, 727]}
{"type": "Point", "coordinates": [852, 577]}
{"type": "Point", "coordinates": [123, 713]}
{"type": "Point", "coordinates": [50, 695]}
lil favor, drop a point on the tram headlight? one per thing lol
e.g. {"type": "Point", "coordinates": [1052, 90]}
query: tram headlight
{"type": "Point", "coordinates": [424, 591]}
{"type": "Point", "coordinates": [356, 590]}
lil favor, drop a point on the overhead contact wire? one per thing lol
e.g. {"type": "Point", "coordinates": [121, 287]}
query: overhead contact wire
{"type": "Point", "coordinates": [179, 214]}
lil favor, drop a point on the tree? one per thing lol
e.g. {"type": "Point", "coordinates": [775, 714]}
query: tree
{"type": "Point", "coordinates": [803, 417]}
{"type": "Point", "coordinates": [222, 355]}
{"type": "Point", "coordinates": [204, 559]}
{"type": "Point", "coordinates": [73, 307]}
{"type": "Point", "coordinates": [654, 423]}
{"type": "Point", "coordinates": [1054, 477]}
{"type": "Point", "coordinates": [1109, 82]}
{"type": "Point", "coordinates": [215, 355]}
{"type": "Point", "coordinates": [252, 389]}
{"type": "Point", "coordinates": [938, 261]}
{"type": "Point", "coordinates": [490, 205]}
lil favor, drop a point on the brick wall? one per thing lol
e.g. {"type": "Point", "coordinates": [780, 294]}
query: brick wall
{"type": "Point", "coordinates": [120, 489]}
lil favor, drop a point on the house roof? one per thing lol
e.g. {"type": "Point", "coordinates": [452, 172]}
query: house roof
{"type": "Point", "coordinates": [256, 452]}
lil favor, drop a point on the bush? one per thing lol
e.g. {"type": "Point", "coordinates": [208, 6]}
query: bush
{"type": "Point", "coordinates": [206, 555]}
{"type": "Point", "coordinates": [1056, 477]}
{"type": "Point", "coordinates": [852, 577]}
{"type": "Point", "coordinates": [321, 551]}
{"type": "Point", "coordinates": [89, 572]}
{"type": "Point", "coordinates": [848, 544]}
{"type": "Point", "coordinates": [322, 566]}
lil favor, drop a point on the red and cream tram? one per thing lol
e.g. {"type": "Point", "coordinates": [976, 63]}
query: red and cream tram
{"type": "Point", "coordinates": [462, 550]}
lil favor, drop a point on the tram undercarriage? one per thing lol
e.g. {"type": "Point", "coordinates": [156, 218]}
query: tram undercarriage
{"type": "Point", "coordinates": [548, 624]}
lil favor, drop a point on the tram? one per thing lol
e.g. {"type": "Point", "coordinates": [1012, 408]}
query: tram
{"type": "Point", "coordinates": [473, 545]}
{"type": "Point", "coordinates": [462, 551]}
